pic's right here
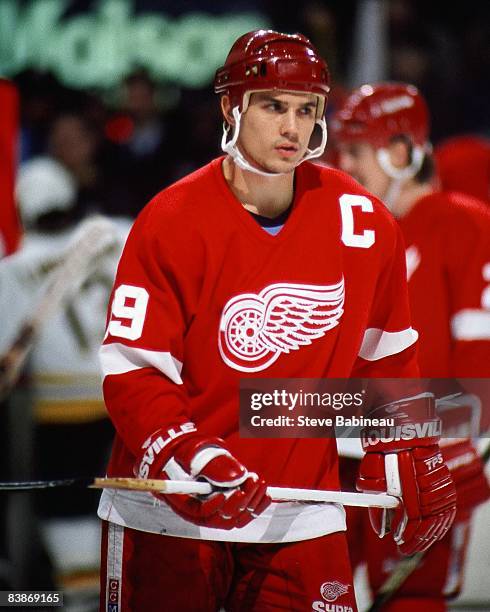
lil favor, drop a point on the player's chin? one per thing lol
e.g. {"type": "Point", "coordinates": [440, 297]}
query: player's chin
{"type": "Point", "coordinates": [286, 164]}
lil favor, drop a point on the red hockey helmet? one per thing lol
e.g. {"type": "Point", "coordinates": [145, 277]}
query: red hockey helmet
{"type": "Point", "coordinates": [376, 113]}
{"type": "Point", "coordinates": [265, 59]}
{"type": "Point", "coordinates": [463, 164]}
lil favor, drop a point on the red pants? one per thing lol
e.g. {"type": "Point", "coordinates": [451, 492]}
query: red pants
{"type": "Point", "coordinates": [148, 572]}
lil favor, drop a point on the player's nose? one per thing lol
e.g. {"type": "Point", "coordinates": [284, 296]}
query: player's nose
{"type": "Point", "coordinates": [289, 124]}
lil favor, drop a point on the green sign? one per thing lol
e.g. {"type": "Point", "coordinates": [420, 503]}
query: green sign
{"type": "Point", "coordinates": [98, 48]}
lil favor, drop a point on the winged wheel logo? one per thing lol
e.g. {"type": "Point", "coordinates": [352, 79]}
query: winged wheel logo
{"type": "Point", "coordinates": [256, 329]}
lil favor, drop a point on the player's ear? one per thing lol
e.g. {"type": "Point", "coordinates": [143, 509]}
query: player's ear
{"type": "Point", "coordinates": [226, 109]}
{"type": "Point", "coordinates": [399, 151]}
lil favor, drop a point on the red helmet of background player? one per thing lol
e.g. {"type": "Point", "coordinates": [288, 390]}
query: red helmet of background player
{"type": "Point", "coordinates": [377, 113]}
{"type": "Point", "coordinates": [264, 59]}
{"type": "Point", "coordinates": [463, 164]}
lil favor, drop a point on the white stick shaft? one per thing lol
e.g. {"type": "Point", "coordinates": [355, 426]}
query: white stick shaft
{"type": "Point", "coordinates": [366, 500]}
{"type": "Point", "coordinates": [377, 500]}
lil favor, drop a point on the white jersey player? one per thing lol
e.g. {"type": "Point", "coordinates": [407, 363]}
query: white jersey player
{"type": "Point", "coordinates": [72, 432]}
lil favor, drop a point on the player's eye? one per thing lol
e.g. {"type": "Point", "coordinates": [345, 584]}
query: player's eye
{"type": "Point", "coordinates": [307, 111]}
{"type": "Point", "coordinates": [274, 106]}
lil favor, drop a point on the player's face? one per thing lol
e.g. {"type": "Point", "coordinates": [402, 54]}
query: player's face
{"type": "Point", "coordinates": [359, 160]}
{"type": "Point", "coordinates": [276, 128]}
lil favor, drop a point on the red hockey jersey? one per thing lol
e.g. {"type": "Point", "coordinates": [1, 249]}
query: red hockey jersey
{"type": "Point", "coordinates": [195, 308]}
{"type": "Point", "coordinates": [448, 265]}
{"type": "Point", "coordinates": [10, 226]}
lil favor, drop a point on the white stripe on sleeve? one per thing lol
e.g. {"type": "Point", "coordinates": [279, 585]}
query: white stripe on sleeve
{"type": "Point", "coordinates": [117, 358]}
{"type": "Point", "coordinates": [377, 343]}
{"type": "Point", "coordinates": [471, 324]}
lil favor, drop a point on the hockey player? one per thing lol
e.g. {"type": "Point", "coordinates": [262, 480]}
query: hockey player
{"type": "Point", "coordinates": [463, 164]}
{"type": "Point", "coordinates": [382, 135]}
{"type": "Point", "coordinates": [223, 275]}
{"type": "Point", "coordinates": [69, 416]}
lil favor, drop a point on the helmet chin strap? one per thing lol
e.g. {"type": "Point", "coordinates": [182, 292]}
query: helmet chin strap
{"type": "Point", "coordinates": [398, 176]}
{"type": "Point", "coordinates": [232, 150]}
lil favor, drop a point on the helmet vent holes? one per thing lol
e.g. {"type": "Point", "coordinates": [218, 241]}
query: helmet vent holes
{"type": "Point", "coordinates": [252, 70]}
{"type": "Point", "coordinates": [263, 69]}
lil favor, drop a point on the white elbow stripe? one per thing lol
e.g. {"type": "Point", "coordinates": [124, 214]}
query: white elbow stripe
{"type": "Point", "coordinates": [378, 343]}
{"type": "Point", "coordinates": [118, 358]}
{"type": "Point", "coordinates": [471, 324]}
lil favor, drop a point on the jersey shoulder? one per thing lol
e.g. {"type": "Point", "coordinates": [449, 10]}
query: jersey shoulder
{"type": "Point", "coordinates": [180, 197]}
{"type": "Point", "coordinates": [338, 183]}
{"type": "Point", "coordinates": [179, 207]}
{"type": "Point", "coordinates": [466, 205]}
{"type": "Point", "coordinates": [452, 210]}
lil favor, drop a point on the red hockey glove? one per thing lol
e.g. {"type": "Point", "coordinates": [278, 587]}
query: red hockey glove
{"type": "Point", "coordinates": [468, 473]}
{"type": "Point", "coordinates": [183, 454]}
{"type": "Point", "coordinates": [405, 460]}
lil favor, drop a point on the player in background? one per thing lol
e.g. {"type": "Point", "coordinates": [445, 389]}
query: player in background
{"type": "Point", "coordinates": [71, 431]}
{"type": "Point", "coordinates": [10, 237]}
{"type": "Point", "coordinates": [259, 264]}
{"type": "Point", "coordinates": [381, 133]}
{"type": "Point", "coordinates": [463, 164]}
{"type": "Point", "coordinates": [10, 229]}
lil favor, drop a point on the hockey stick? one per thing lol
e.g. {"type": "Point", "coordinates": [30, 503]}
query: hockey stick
{"type": "Point", "coordinates": [93, 237]}
{"type": "Point", "coordinates": [405, 567]}
{"type": "Point", "coordinates": [390, 586]}
{"type": "Point", "coordinates": [190, 487]}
